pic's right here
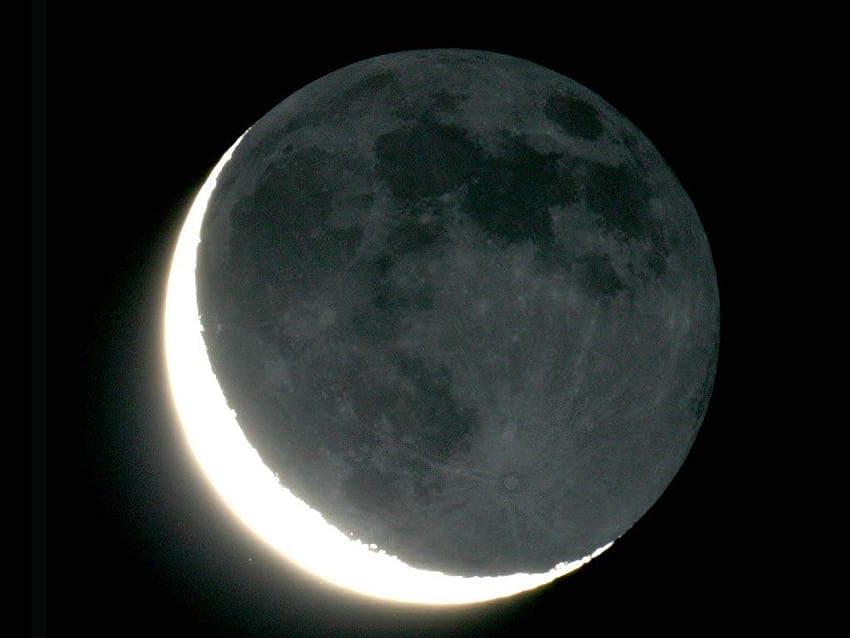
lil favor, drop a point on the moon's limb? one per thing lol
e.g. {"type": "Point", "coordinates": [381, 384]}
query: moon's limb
{"type": "Point", "coordinates": [252, 490]}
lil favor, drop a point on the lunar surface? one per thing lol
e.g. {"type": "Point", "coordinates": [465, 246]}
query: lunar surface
{"type": "Point", "coordinates": [461, 308]}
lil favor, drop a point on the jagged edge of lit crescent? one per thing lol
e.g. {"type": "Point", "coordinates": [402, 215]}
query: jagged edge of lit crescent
{"type": "Point", "coordinates": [254, 492]}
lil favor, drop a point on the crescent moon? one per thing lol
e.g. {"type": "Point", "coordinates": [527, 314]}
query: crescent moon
{"type": "Point", "coordinates": [254, 493]}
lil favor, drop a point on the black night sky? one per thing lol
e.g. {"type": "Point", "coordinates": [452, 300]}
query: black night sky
{"type": "Point", "coordinates": [141, 103]}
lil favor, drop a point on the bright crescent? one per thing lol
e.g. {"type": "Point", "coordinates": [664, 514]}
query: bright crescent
{"type": "Point", "coordinates": [255, 494]}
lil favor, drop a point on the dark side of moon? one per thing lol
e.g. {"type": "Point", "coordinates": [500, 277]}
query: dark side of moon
{"type": "Point", "coordinates": [462, 307]}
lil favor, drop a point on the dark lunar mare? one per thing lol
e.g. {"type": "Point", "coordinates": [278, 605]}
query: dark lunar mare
{"type": "Point", "coordinates": [462, 307]}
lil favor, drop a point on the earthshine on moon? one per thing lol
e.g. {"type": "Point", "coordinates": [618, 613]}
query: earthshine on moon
{"type": "Point", "coordinates": [441, 326]}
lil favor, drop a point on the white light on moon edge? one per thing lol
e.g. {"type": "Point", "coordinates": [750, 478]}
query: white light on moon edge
{"type": "Point", "coordinates": [252, 490]}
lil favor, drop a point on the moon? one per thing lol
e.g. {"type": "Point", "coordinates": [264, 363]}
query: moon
{"type": "Point", "coordinates": [441, 326]}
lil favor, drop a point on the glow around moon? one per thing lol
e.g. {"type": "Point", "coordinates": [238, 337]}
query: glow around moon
{"type": "Point", "coordinates": [255, 494]}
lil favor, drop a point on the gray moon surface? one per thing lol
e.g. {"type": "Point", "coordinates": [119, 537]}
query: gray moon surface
{"type": "Point", "coordinates": [462, 307]}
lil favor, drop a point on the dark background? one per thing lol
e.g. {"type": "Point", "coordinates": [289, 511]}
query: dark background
{"type": "Point", "coordinates": [141, 103]}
